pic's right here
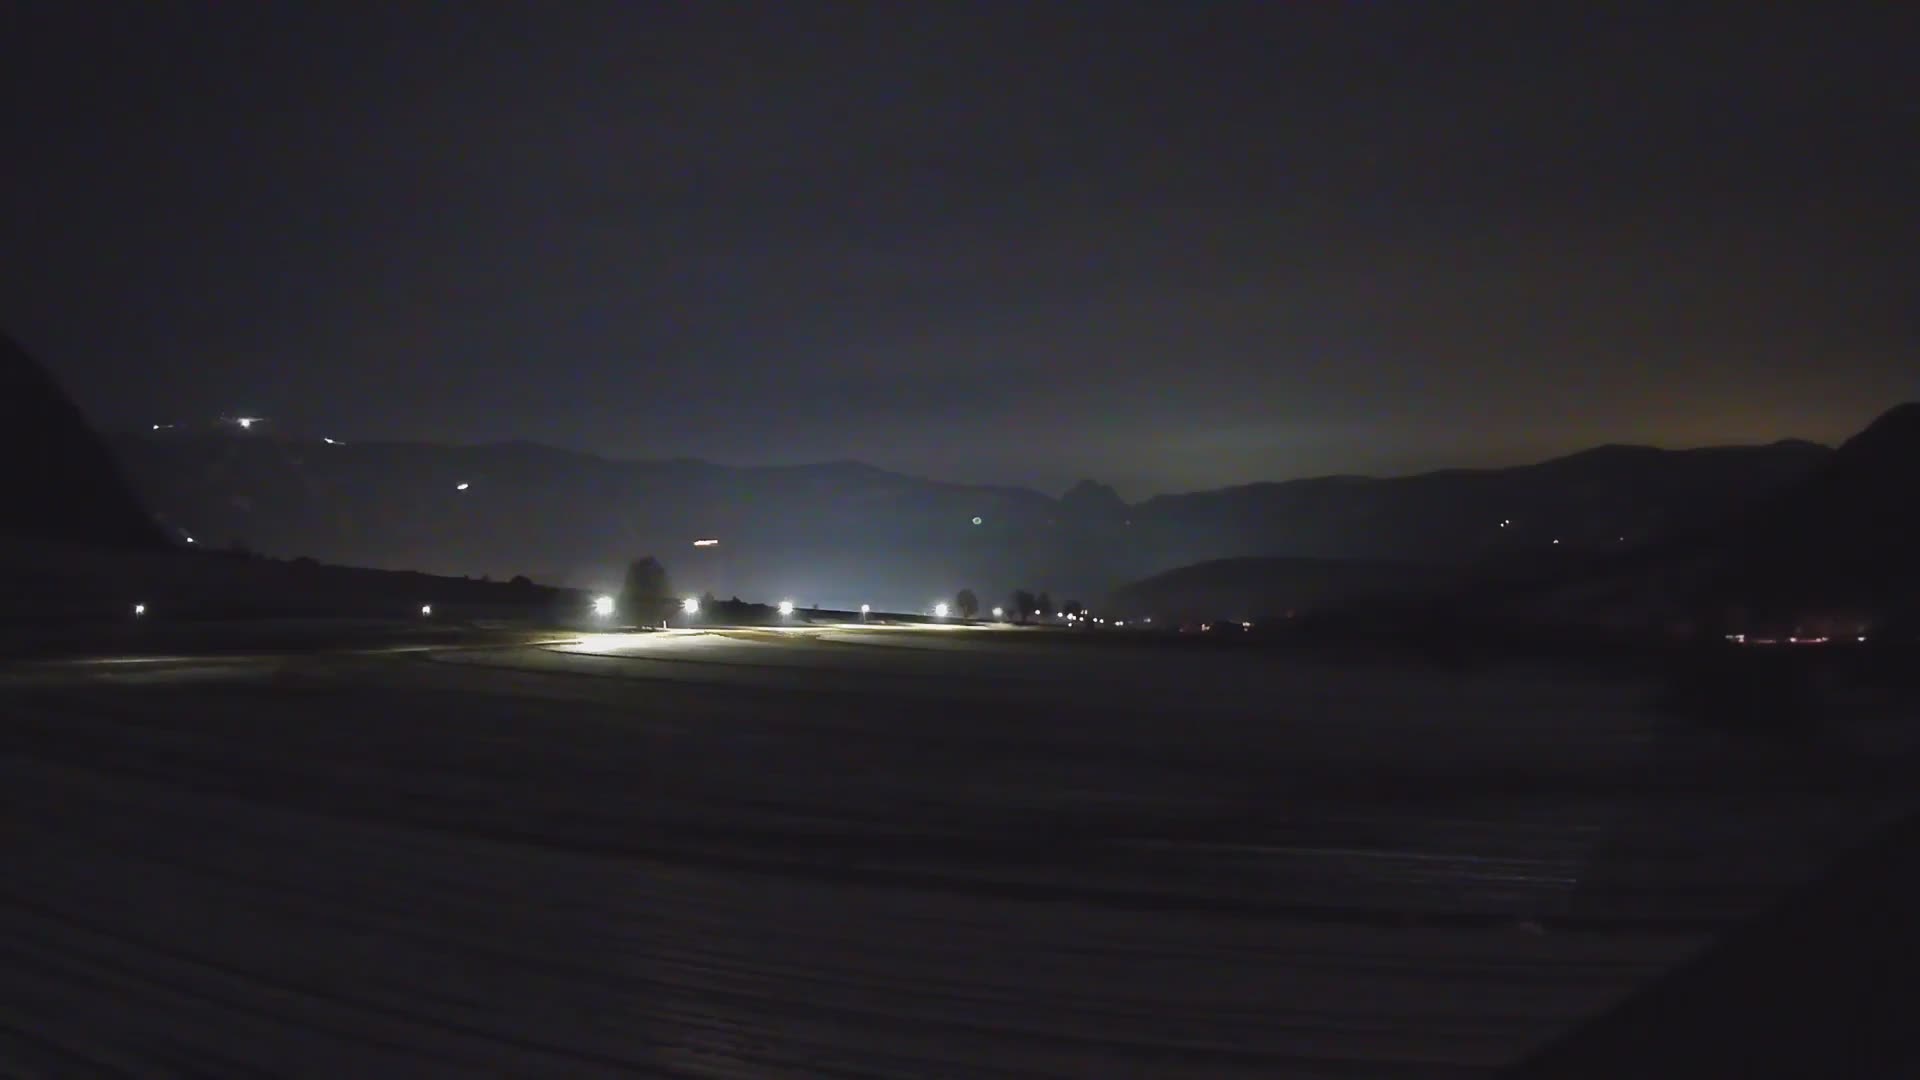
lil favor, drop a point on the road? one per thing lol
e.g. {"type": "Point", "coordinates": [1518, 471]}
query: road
{"type": "Point", "coordinates": [848, 851]}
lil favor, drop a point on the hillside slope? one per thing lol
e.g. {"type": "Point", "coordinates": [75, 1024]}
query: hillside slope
{"type": "Point", "coordinates": [61, 482]}
{"type": "Point", "coordinates": [1263, 587]}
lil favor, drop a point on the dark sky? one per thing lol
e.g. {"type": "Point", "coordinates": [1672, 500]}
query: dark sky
{"type": "Point", "coordinates": [1165, 245]}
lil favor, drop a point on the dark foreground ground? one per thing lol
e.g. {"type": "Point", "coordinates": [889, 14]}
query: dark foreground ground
{"type": "Point", "coordinates": [862, 852]}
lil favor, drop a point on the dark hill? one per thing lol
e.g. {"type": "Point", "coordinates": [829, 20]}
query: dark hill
{"type": "Point", "coordinates": [1836, 548]}
{"type": "Point", "coordinates": [1257, 588]}
{"type": "Point", "coordinates": [1847, 537]}
{"type": "Point", "coordinates": [61, 482]}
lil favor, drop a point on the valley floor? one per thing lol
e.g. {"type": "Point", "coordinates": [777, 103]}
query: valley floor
{"type": "Point", "coordinates": [852, 851]}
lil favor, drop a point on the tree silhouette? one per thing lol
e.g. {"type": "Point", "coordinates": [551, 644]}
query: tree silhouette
{"type": "Point", "coordinates": [1023, 604]}
{"type": "Point", "coordinates": [967, 603]}
{"type": "Point", "coordinates": [1045, 604]}
{"type": "Point", "coordinates": [647, 595]}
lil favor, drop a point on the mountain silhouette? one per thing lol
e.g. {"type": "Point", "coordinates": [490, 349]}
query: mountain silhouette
{"type": "Point", "coordinates": [1259, 588]}
{"type": "Point", "coordinates": [1834, 549]}
{"type": "Point", "coordinates": [1092, 499]}
{"type": "Point", "coordinates": [61, 482]}
{"type": "Point", "coordinates": [1845, 538]}
{"type": "Point", "coordinates": [843, 533]}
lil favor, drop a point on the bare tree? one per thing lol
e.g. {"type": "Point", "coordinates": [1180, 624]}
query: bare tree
{"type": "Point", "coordinates": [967, 604]}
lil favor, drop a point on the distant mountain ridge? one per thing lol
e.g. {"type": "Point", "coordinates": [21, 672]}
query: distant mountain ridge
{"type": "Point", "coordinates": [1835, 551]}
{"type": "Point", "coordinates": [846, 532]}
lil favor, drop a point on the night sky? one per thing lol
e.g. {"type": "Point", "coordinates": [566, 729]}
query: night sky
{"type": "Point", "coordinates": [1168, 245]}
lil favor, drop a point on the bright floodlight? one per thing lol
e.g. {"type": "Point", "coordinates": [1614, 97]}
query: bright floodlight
{"type": "Point", "coordinates": [864, 608]}
{"type": "Point", "coordinates": [786, 607]}
{"type": "Point", "coordinates": [189, 537]}
{"type": "Point", "coordinates": [976, 521]}
{"type": "Point", "coordinates": [141, 609]}
{"type": "Point", "coordinates": [939, 611]}
{"type": "Point", "coordinates": [999, 612]}
{"type": "Point", "coordinates": [426, 609]}
{"type": "Point", "coordinates": [329, 442]}
{"type": "Point", "coordinates": [603, 605]}
{"type": "Point", "coordinates": [705, 541]}
{"type": "Point", "coordinates": [245, 421]}
{"type": "Point", "coordinates": [462, 486]}
{"type": "Point", "coordinates": [690, 605]}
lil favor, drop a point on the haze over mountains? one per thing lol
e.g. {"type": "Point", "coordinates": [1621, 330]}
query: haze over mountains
{"type": "Point", "coordinates": [843, 533]}
{"type": "Point", "coordinates": [1634, 535]}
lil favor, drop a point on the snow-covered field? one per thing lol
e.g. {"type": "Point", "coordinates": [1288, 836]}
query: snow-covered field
{"type": "Point", "coordinates": [861, 852]}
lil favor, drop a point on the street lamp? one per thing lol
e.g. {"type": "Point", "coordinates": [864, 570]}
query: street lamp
{"type": "Point", "coordinates": [999, 613]}
{"type": "Point", "coordinates": [690, 605]}
{"type": "Point", "coordinates": [705, 541]}
{"type": "Point", "coordinates": [426, 610]}
{"type": "Point", "coordinates": [141, 609]}
{"type": "Point", "coordinates": [603, 606]}
{"type": "Point", "coordinates": [864, 608]}
{"type": "Point", "coordinates": [786, 607]}
{"type": "Point", "coordinates": [939, 611]}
